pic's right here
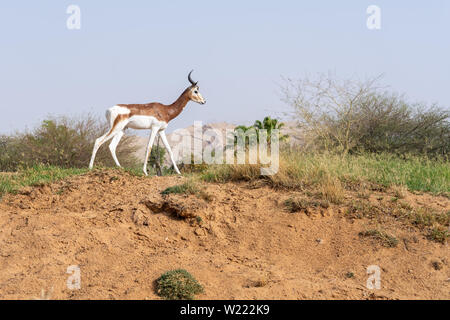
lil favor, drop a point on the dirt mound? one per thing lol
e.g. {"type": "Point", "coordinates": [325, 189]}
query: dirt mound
{"type": "Point", "coordinates": [241, 243]}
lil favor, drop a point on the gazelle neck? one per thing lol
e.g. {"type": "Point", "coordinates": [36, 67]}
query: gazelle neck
{"type": "Point", "coordinates": [178, 106]}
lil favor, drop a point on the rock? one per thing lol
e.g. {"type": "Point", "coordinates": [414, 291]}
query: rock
{"type": "Point", "coordinates": [199, 232]}
{"type": "Point", "coordinates": [139, 217]}
{"type": "Point", "coordinates": [26, 191]}
{"type": "Point", "coordinates": [437, 265]}
{"type": "Point", "coordinates": [181, 206]}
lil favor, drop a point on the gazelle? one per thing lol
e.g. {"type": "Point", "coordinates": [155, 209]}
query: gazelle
{"type": "Point", "coordinates": [154, 116]}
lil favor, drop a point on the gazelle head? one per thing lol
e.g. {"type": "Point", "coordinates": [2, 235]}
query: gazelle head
{"type": "Point", "coordinates": [194, 91]}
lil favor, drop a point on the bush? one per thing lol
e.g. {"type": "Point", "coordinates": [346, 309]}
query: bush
{"type": "Point", "coordinates": [351, 116]}
{"type": "Point", "coordinates": [178, 285]}
{"type": "Point", "coordinates": [64, 142]}
{"type": "Point", "coordinates": [157, 158]}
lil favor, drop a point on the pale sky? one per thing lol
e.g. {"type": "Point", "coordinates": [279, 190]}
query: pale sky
{"type": "Point", "coordinates": [141, 51]}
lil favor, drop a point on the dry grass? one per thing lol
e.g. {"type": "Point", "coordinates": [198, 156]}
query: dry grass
{"type": "Point", "coordinates": [384, 238]}
{"type": "Point", "coordinates": [331, 190]}
{"type": "Point", "coordinates": [304, 204]}
{"type": "Point", "coordinates": [400, 192]}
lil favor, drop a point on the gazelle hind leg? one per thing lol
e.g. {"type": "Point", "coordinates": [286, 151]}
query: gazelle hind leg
{"type": "Point", "coordinates": [100, 141]}
{"type": "Point", "coordinates": [151, 140]}
{"type": "Point", "coordinates": [113, 146]}
{"type": "Point", "coordinates": [169, 150]}
{"type": "Point", "coordinates": [97, 145]}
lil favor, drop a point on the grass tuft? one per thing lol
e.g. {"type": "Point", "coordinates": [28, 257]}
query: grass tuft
{"type": "Point", "coordinates": [185, 188]}
{"type": "Point", "coordinates": [385, 239]}
{"type": "Point", "coordinates": [189, 187]}
{"type": "Point", "coordinates": [439, 234]}
{"type": "Point", "coordinates": [303, 204]}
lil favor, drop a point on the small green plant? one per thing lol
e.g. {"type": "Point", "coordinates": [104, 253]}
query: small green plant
{"type": "Point", "coordinates": [157, 157]}
{"type": "Point", "coordinates": [385, 239]}
{"type": "Point", "coordinates": [189, 187]}
{"type": "Point", "coordinates": [178, 285]}
{"type": "Point", "coordinates": [349, 275]}
{"type": "Point", "coordinates": [439, 235]}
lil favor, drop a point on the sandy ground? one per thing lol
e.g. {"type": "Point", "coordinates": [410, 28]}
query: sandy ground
{"type": "Point", "coordinates": [123, 235]}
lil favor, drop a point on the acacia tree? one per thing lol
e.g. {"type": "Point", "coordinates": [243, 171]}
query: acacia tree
{"type": "Point", "coordinates": [351, 115]}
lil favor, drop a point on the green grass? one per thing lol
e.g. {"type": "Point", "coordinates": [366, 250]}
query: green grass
{"type": "Point", "coordinates": [37, 175]}
{"type": "Point", "coordinates": [178, 285]}
{"type": "Point", "coordinates": [417, 174]}
{"type": "Point", "coordinates": [298, 169]}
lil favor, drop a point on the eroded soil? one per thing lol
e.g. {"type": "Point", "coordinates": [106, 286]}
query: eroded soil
{"type": "Point", "coordinates": [241, 244]}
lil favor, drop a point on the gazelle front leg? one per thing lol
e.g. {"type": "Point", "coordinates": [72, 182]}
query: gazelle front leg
{"type": "Point", "coordinates": [149, 147]}
{"type": "Point", "coordinates": [166, 144]}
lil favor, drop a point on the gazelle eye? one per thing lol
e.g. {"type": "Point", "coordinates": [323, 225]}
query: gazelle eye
{"type": "Point", "coordinates": [196, 92]}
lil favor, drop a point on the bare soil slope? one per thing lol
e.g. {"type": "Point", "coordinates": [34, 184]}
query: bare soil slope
{"type": "Point", "coordinates": [245, 245]}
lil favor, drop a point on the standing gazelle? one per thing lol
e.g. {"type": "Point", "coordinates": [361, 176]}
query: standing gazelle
{"type": "Point", "coordinates": [154, 116]}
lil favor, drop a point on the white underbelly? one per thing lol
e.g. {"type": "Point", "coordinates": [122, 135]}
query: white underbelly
{"type": "Point", "coordinates": [145, 122]}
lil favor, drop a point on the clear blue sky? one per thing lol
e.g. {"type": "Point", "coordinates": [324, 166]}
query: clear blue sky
{"type": "Point", "coordinates": [141, 51]}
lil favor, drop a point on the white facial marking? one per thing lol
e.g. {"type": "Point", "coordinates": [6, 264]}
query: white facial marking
{"type": "Point", "coordinates": [196, 96]}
